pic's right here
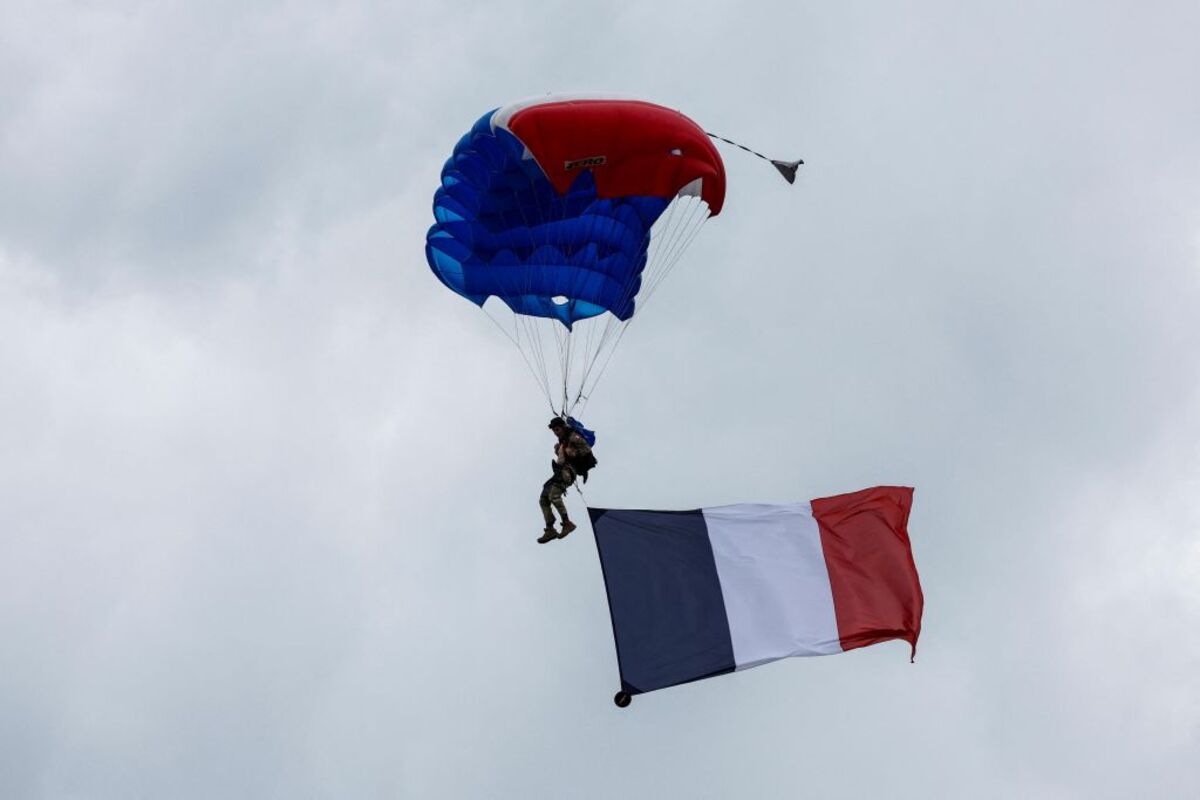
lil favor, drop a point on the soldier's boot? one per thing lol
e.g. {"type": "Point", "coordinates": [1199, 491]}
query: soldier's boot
{"type": "Point", "coordinates": [568, 526]}
{"type": "Point", "coordinates": [548, 534]}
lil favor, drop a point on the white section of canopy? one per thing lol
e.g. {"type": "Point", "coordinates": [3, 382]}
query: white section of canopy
{"type": "Point", "coordinates": [502, 115]}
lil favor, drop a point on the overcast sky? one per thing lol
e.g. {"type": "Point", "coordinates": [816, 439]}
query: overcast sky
{"type": "Point", "coordinates": [268, 489]}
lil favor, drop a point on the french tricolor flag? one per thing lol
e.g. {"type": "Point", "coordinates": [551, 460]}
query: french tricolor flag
{"type": "Point", "coordinates": [700, 593]}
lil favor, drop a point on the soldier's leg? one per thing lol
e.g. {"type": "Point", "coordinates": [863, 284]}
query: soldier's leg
{"type": "Point", "coordinates": [556, 497]}
{"type": "Point", "coordinates": [544, 501]}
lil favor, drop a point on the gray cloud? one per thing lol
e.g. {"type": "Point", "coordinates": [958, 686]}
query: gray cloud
{"type": "Point", "coordinates": [267, 487]}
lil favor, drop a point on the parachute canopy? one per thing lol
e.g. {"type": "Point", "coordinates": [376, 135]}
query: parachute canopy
{"type": "Point", "coordinates": [561, 216]}
{"type": "Point", "coordinates": [548, 204]}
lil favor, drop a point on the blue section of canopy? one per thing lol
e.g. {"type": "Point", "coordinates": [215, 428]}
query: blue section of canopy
{"type": "Point", "coordinates": [503, 230]}
{"type": "Point", "coordinates": [664, 595]}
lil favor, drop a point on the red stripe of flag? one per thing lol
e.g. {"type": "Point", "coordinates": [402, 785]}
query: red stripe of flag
{"type": "Point", "coordinates": [876, 591]}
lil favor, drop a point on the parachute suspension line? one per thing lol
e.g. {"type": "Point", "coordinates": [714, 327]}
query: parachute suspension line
{"type": "Point", "coordinates": [562, 339]}
{"type": "Point", "coordinates": [534, 332]}
{"type": "Point", "coordinates": [597, 330]}
{"type": "Point", "coordinates": [521, 324]}
{"type": "Point", "coordinates": [621, 335]}
{"type": "Point", "coordinates": [589, 353]}
{"type": "Point", "coordinates": [540, 380]}
{"type": "Point", "coordinates": [591, 343]}
{"type": "Point", "coordinates": [595, 341]}
{"type": "Point", "coordinates": [665, 246]}
{"type": "Point", "coordinates": [664, 265]}
{"type": "Point", "coordinates": [663, 228]}
{"type": "Point", "coordinates": [578, 342]}
{"type": "Point", "coordinates": [669, 246]}
{"type": "Point", "coordinates": [521, 330]}
{"type": "Point", "coordinates": [699, 215]}
{"type": "Point", "coordinates": [666, 242]}
{"type": "Point", "coordinates": [672, 245]}
{"type": "Point", "coordinates": [549, 232]}
{"type": "Point", "coordinates": [534, 350]}
{"type": "Point", "coordinates": [669, 251]}
{"type": "Point", "coordinates": [538, 326]}
{"type": "Point", "coordinates": [516, 336]}
{"type": "Point", "coordinates": [566, 370]}
{"type": "Point", "coordinates": [786, 168]}
{"type": "Point", "coordinates": [535, 347]}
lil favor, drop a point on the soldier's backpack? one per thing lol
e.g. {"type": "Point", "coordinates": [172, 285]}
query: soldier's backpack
{"type": "Point", "coordinates": [583, 462]}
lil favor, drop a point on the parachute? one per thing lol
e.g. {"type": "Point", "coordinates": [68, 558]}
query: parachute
{"type": "Point", "coordinates": [570, 212]}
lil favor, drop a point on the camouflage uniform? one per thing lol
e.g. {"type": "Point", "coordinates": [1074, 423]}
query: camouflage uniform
{"type": "Point", "coordinates": [554, 489]}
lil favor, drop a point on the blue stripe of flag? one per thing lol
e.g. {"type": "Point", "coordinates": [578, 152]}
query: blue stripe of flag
{"type": "Point", "coordinates": [664, 595]}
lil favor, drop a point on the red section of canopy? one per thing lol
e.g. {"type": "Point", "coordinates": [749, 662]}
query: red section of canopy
{"type": "Point", "coordinates": [646, 149]}
{"type": "Point", "coordinates": [876, 591]}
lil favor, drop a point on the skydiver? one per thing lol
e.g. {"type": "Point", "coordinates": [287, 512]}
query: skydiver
{"type": "Point", "coordinates": [572, 456]}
